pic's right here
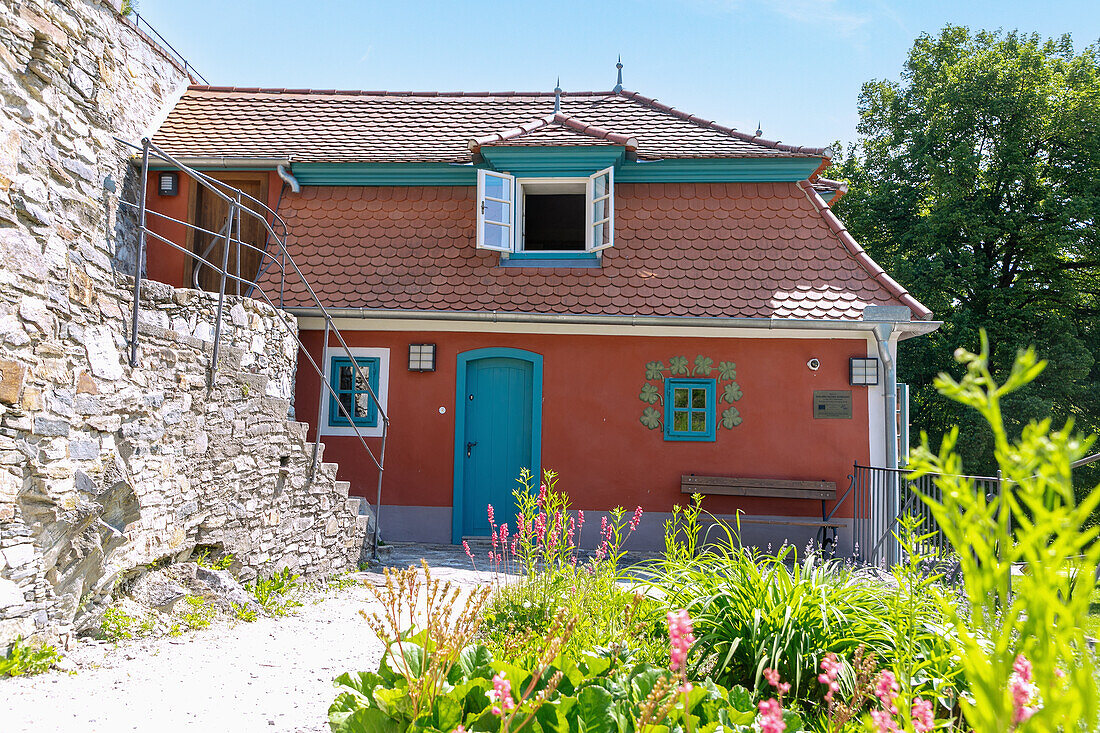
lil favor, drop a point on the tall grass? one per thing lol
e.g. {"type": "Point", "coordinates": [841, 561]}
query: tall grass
{"type": "Point", "coordinates": [753, 611]}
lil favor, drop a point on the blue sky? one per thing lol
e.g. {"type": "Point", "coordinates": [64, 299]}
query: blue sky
{"type": "Point", "coordinates": [796, 66]}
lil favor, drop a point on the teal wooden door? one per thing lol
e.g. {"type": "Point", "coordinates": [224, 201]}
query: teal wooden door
{"type": "Point", "coordinates": [497, 438]}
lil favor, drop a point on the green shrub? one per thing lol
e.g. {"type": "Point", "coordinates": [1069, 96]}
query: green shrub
{"type": "Point", "coordinates": [118, 625]}
{"type": "Point", "coordinates": [275, 593]}
{"type": "Point", "coordinates": [590, 694]}
{"type": "Point", "coordinates": [203, 559]}
{"type": "Point", "coordinates": [540, 548]}
{"type": "Point", "coordinates": [1025, 628]}
{"type": "Point", "coordinates": [27, 659]}
{"type": "Point", "coordinates": [244, 612]}
{"type": "Point", "coordinates": [754, 611]}
{"type": "Point", "coordinates": [200, 614]}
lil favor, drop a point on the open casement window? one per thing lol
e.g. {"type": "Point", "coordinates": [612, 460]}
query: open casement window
{"type": "Point", "coordinates": [601, 211]}
{"type": "Point", "coordinates": [496, 211]}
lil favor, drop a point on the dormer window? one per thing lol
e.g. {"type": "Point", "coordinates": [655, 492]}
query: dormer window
{"type": "Point", "coordinates": [545, 215]}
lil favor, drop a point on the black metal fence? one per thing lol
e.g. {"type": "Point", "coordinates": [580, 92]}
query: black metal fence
{"type": "Point", "coordinates": [876, 490]}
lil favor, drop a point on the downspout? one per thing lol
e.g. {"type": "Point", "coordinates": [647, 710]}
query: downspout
{"type": "Point", "coordinates": [290, 180]}
{"type": "Point", "coordinates": [883, 332]}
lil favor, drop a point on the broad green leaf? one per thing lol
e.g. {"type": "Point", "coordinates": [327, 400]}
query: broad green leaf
{"type": "Point", "coordinates": [649, 393]}
{"type": "Point", "coordinates": [366, 720]}
{"type": "Point", "coordinates": [727, 370]}
{"type": "Point", "coordinates": [678, 365]}
{"type": "Point", "coordinates": [473, 661]}
{"type": "Point", "coordinates": [703, 366]}
{"type": "Point", "coordinates": [654, 370]}
{"type": "Point", "coordinates": [594, 711]}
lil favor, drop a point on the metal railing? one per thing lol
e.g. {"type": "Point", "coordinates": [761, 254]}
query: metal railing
{"type": "Point", "coordinates": [875, 528]}
{"type": "Point", "coordinates": [165, 46]}
{"type": "Point", "coordinates": [241, 206]}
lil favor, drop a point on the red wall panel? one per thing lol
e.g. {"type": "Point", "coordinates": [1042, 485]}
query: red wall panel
{"type": "Point", "coordinates": [591, 432]}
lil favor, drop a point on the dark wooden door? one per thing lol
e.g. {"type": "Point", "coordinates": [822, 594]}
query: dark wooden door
{"type": "Point", "coordinates": [210, 214]}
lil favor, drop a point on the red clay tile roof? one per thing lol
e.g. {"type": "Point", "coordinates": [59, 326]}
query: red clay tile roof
{"type": "Point", "coordinates": [350, 126]}
{"type": "Point", "coordinates": [681, 249]}
{"type": "Point", "coordinates": [554, 129]}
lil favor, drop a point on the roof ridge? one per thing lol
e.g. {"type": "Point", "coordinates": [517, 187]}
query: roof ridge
{"type": "Point", "coordinates": [386, 93]}
{"type": "Point", "coordinates": [732, 131]}
{"type": "Point", "coordinates": [554, 118]}
{"type": "Point", "coordinates": [860, 255]}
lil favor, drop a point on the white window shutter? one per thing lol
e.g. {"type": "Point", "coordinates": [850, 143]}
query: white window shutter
{"type": "Point", "coordinates": [496, 211]}
{"type": "Point", "coordinates": [601, 210]}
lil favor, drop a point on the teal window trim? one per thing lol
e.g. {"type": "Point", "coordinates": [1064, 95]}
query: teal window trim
{"type": "Point", "coordinates": [551, 259]}
{"type": "Point", "coordinates": [707, 410]}
{"type": "Point", "coordinates": [371, 365]}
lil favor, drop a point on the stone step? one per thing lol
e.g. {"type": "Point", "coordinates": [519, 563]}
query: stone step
{"type": "Point", "coordinates": [342, 488]}
{"type": "Point", "coordinates": [298, 429]}
{"type": "Point", "coordinates": [352, 503]}
{"type": "Point", "coordinates": [275, 406]}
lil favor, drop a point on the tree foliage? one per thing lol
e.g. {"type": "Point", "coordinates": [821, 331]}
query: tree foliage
{"type": "Point", "coordinates": [976, 184]}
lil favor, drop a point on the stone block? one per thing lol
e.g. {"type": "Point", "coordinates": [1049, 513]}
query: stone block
{"type": "Point", "coordinates": [12, 374]}
{"type": "Point", "coordinates": [19, 555]}
{"type": "Point", "coordinates": [50, 427]}
{"type": "Point", "coordinates": [103, 356]}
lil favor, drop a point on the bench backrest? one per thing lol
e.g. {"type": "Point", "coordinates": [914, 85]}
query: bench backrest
{"type": "Point", "coordinates": [766, 487]}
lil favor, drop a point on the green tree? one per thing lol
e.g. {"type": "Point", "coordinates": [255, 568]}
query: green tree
{"type": "Point", "coordinates": [976, 183]}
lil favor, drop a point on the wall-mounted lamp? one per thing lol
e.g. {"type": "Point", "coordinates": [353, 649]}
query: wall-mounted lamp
{"type": "Point", "coordinates": [862, 371]}
{"type": "Point", "coordinates": [421, 357]}
{"type": "Point", "coordinates": [169, 183]}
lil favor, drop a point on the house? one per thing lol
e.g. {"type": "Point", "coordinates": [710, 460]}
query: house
{"type": "Point", "coordinates": [592, 282]}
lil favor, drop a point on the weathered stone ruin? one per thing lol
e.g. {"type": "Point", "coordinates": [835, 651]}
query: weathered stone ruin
{"type": "Point", "coordinates": [105, 467]}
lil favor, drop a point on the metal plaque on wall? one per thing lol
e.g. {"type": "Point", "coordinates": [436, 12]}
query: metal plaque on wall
{"type": "Point", "coordinates": [833, 404]}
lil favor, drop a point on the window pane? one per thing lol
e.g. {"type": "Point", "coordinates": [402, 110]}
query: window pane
{"type": "Point", "coordinates": [345, 379]}
{"type": "Point", "coordinates": [698, 398]}
{"type": "Point", "coordinates": [361, 377]}
{"type": "Point", "coordinates": [681, 421]}
{"type": "Point", "coordinates": [497, 211]}
{"type": "Point", "coordinates": [698, 422]}
{"type": "Point", "coordinates": [497, 235]}
{"type": "Point", "coordinates": [601, 234]}
{"type": "Point", "coordinates": [599, 210]}
{"type": "Point", "coordinates": [498, 188]}
{"type": "Point", "coordinates": [362, 404]}
{"type": "Point", "coordinates": [680, 397]}
{"type": "Point", "coordinates": [347, 401]}
{"type": "Point", "coordinates": [599, 186]}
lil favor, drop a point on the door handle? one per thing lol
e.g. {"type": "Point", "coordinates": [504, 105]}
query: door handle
{"type": "Point", "coordinates": [470, 445]}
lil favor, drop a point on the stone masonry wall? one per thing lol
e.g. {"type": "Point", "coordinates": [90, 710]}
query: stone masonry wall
{"type": "Point", "coordinates": [105, 467]}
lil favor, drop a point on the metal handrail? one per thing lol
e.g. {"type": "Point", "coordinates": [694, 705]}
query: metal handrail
{"type": "Point", "coordinates": [240, 205]}
{"type": "Point", "coordinates": [164, 44]}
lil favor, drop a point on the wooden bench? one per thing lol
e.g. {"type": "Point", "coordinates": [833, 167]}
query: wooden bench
{"type": "Point", "coordinates": [767, 488]}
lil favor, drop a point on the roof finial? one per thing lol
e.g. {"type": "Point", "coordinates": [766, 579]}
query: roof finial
{"type": "Point", "coordinates": [557, 96]}
{"type": "Point", "coordinates": [759, 131]}
{"type": "Point", "coordinates": [619, 81]}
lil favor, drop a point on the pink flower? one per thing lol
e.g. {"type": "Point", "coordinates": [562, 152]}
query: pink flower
{"type": "Point", "coordinates": [680, 638]}
{"type": "Point", "coordinates": [923, 721]}
{"type": "Point", "coordinates": [580, 520]}
{"type": "Point", "coordinates": [637, 518]}
{"type": "Point", "coordinates": [504, 536]}
{"type": "Point", "coordinates": [1022, 690]}
{"type": "Point", "coordinates": [883, 722]}
{"type": "Point", "coordinates": [494, 538]}
{"type": "Point", "coordinates": [603, 526]}
{"type": "Point", "coordinates": [770, 719]}
{"type": "Point", "coordinates": [469, 553]}
{"type": "Point", "coordinates": [492, 520]}
{"type": "Point", "coordinates": [886, 690]}
{"type": "Point", "coordinates": [772, 676]}
{"type": "Point", "coordinates": [501, 694]}
{"type": "Point", "coordinates": [830, 667]}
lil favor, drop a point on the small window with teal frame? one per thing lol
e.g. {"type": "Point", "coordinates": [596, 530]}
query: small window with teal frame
{"type": "Point", "coordinates": [352, 392]}
{"type": "Point", "coordinates": [690, 409]}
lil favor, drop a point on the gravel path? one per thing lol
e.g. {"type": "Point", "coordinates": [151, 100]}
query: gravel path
{"type": "Point", "coordinates": [269, 675]}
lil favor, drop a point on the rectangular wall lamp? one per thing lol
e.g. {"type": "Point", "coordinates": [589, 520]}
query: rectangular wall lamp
{"type": "Point", "coordinates": [862, 371]}
{"type": "Point", "coordinates": [421, 357]}
{"type": "Point", "coordinates": [169, 183]}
